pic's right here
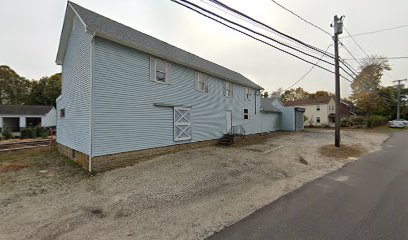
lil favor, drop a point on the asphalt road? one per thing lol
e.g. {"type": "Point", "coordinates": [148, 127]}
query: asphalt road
{"type": "Point", "coordinates": [367, 199]}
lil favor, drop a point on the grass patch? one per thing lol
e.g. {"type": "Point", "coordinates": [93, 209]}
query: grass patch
{"type": "Point", "coordinates": [344, 151]}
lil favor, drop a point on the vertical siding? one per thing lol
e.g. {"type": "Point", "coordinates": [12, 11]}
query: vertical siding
{"type": "Point", "coordinates": [73, 130]}
{"type": "Point", "coordinates": [124, 115]}
{"type": "Point", "coordinates": [288, 118]}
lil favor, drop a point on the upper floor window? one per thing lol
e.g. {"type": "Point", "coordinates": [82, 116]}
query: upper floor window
{"type": "Point", "coordinates": [159, 71]}
{"type": "Point", "coordinates": [228, 91]}
{"type": "Point", "coordinates": [201, 82]}
{"type": "Point", "coordinates": [318, 108]}
{"type": "Point", "coordinates": [248, 94]}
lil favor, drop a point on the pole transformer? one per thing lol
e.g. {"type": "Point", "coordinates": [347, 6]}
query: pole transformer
{"type": "Point", "coordinates": [338, 29]}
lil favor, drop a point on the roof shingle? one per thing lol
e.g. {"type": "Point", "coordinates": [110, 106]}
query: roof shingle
{"type": "Point", "coordinates": [24, 110]}
{"type": "Point", "coordinates": [308, 101]}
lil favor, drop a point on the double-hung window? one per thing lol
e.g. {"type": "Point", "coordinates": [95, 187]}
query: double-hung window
{"type": "Point", "coordinates": [318, 108]}
{"type": "Point", "coordinates": [201, 82]}
{"type": "Point", "coordinates": [317, 119]}
{"type": "Point", "coordinates": [160, 71]}
{"type": "Point", "coordinates": [247, 94]}
{"type": "Point", "coordinates": [228, 91]}
{"type": "Point", "coordinates": [246, 113]}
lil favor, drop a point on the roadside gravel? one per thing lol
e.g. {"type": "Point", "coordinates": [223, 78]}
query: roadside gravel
{"type": "Point", "coordinates": [185, 195]}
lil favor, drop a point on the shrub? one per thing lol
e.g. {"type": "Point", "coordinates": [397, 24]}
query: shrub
{"type": "Point", "coordinates": [41, 132]}
{"type": "Point", "coordinates": [27, 133]}
{"type": "Point", "coordinates": [375, 121]}
{"type": "Point", "coordinates": [7, 135]}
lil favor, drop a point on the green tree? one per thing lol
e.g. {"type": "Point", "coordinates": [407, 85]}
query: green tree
{"type": "Point", "coordinates": [13, 88]}
{"type": "Point", "coordinates": [367, 83]}
{"type": "Point", "coordinates": [320, 93]}
{"type": "Point", "coordinates": [45, 91]}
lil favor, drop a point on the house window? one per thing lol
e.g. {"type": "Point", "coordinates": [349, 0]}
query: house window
{"type": "Point", "coordinates": [317, 119]}
{"type": "Point", "coordinates": [228, 89]}
{"type": "Point", "coordinates": [246, 113]}
{"type": "Point", "coordinates": [318, 108]}
{"type": "Point", "coordinates": [159, 71]}
{"type": "Point", "coordinates": [62, 113]}
{"type": "Point", "coordinates": [201, 82]}
{"type": "Point", "coordinates": [247, 94]}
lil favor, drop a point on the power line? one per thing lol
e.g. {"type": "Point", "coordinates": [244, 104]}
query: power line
{"type": "Point", "coordinates": [247, 34]}
{"type": "Point", "coordinates": [303, 19]}
{"type": "Point", "coordinates": [387, 58]}
{"type": "Point", "coordinates": [307, 73]}
{"type": "Point", "coordinates": [377, 31]}
{"type": "Point", "coordinates": [269, 27]}
{"type": "Point", "coordinates": [257, 33]}
{"type": "Point", "coordinates": [358, 45]}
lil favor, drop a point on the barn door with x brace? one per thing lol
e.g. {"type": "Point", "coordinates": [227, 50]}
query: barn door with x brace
{"type": "Point", "coordinates": [182, 123]}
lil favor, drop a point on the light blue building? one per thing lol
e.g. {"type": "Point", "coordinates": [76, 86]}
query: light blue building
{"type": "Point", "coordinates": [124, 91]}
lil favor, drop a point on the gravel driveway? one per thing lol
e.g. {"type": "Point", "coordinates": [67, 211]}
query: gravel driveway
{"type": "Point", "coordinates": [185, 195]}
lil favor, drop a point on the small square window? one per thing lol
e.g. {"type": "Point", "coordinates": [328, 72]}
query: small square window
{"type": "Point", "coordinates": [160, 71]}
{"type": "Point", "coordinates": [317, 108]}
{"type": "Point", "coordinates": [246, 113]}
{"type": "Point", "coordinates": [62, 113]}
{"type": "Point", "coordinates": [318, 119]}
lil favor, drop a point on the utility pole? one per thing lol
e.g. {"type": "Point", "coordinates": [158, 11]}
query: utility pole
{"type": "Point", "coordinates": [399, 97]}
{"type": "Point", "coordinates": [338, 29]}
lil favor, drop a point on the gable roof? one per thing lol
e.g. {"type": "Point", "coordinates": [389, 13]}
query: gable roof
{"type": "Point", "coordinates": [266, 105]}
{"type": "Point", "coordinates": [24, 110]}
{"type": "Point", "coordinates": [309, 101]}
{"type": "Point", "coordinates": [106, 28]}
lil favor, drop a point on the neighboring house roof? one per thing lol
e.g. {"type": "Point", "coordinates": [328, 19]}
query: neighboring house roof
{"type": "Point", "coordinates": [117, 32]}
{"type": "Point", "coordinates": [266, 105]}
{"type": "Point", "coordinates": [309, 101]}
{"type": "Point", "coordinates": [24, 110]}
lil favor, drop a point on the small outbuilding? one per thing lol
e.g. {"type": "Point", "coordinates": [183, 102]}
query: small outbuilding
{"type": "Point", "coordinates": [15, 117]}
{"type": "Point", "coordinates": [290, 118]}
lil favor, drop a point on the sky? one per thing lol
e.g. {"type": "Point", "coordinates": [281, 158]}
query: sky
{"type": "Point", "coordinates": [30, 32]}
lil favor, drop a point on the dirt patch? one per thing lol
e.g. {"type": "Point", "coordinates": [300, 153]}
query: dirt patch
{"type": "Point", "coordinates": [344, 151]}
{"type": "Point", "coordinates": [183, 195]}
{"type": "Point", "coordinates": [12, 167]}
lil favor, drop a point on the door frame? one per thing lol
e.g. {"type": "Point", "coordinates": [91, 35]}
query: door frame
{"type": "Point", "coordinates": [226, 120]}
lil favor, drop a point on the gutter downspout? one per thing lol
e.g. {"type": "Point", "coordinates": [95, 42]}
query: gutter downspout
{"type": "Point", "coordinates": [91, 104]}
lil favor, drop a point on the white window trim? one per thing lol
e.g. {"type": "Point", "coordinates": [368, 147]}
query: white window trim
{"type": "Point", "coordinates": [228, 92]}
{"type": "Point", "coordinates": [319, 120]}
{"type": "Point", "coordinates": [318, 108]}
{"type": "Point", "coordinates": [201, 76]}
{"type": "Point", "coordinates": [153, 70]}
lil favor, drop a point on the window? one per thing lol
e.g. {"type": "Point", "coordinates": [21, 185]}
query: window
{"type": "Point", "coordinates": [201, 82]}
{"type": "Point", "coordinates": [246, 113]}
{"type": "Point", "coordinates": [318, 108]}
{"type": "Point", "coordinates": [248, 94]}
{"type": "Point", "coordinates": [228, 89]}
{"type": "Point", "coordinates": [317, 119]}
{"type": "Point", "coordinates": [159, 71]}
{"type": "Point", "coordinates": [62, 113]}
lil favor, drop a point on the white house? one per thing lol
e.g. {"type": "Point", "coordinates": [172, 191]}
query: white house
{"type": "Point", "coordinates": [127, 95]}
{"type": "Point", "coordinates": [15, 117]}
{"type": "Point", "coordinates": [319, 111]}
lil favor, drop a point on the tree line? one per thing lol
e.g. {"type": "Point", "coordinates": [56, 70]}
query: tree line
{"type": "Point", "coordinates": [368, 94]}
{"type": "Point", "coordinates": [18, 90]}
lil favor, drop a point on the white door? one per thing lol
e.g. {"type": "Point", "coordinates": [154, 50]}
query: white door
{"type": "Point", "coordinates": [182, 124]}
{"type": "Point", "coordinates": [228, 115]}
